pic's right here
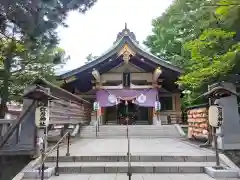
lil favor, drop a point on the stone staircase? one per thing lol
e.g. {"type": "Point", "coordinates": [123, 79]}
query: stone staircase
{"type": "Point", "coordinates": [141, 122]}
{"type": "Point", "coordinates": [135, 131]}
{"type": "Point", "coordinates": [139, 164]}
{"type": "Point", "coordinates": [138, 122]}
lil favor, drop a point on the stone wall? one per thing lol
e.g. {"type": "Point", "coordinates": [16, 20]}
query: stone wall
{"type": "Point", "coordinates": [234, 155]}
{"type": "Point", "coordinates": [12, 165]}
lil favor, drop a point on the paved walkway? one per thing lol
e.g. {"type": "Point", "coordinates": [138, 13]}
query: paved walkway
{"type": "Point", "coordinates": [135, 177]}
{"type": "Point", "coordinates": [161, 146]}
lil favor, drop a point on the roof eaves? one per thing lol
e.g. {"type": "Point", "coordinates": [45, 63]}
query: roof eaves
{"type": "Point", "coordinates": [51, 85]}
{"type": "Point", "coordinates": [155, 58]}
{"type": "Point", "coordinates": [98, 60]}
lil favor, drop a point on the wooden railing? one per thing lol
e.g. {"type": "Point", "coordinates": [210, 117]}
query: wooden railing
{"type": "Point", "coordinates": [171, 117]}
{"type": "Point", "coordinates": [68, 112]}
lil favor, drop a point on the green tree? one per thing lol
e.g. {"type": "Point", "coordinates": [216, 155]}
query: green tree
{"type": "Point", "coordinates": [213, 55]}
{"type": "Point", "coordinates": [28, 38]}
{"type": "Point", "coordinates": [28, 65]}
{"type": "Point", "coordinates": [38, 18]}
{"type": "Point", "coordinates": [200, 36]}
{"type": "Point", "coordinates": [183, 21]}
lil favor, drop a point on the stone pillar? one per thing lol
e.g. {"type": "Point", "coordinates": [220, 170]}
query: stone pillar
{"type": "Point", "coordinates": [29, 135]}
{"type": "Point", "coordinates": [229, 132]}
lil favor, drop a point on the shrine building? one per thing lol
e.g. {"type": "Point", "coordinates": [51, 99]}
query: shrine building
{"type": "Point", "coordinates": [127, 76]}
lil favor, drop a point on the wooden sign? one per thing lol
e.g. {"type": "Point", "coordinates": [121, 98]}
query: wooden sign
{"type": "Point", "coordinates": [42, 115]}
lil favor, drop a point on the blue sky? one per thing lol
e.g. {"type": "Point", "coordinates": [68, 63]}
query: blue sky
{"type": "Point", "coordinates": [95, 31]}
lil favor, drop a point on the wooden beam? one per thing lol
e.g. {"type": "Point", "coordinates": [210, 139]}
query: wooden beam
{"type": "Point", "coordinates": [133, 86]}
{"type": "Point", "coordinates": [70, 79]}
{"type": "Point", "coordinates": [108, 87]}
{"type": "Point", "coordinates": [96, 75]}
{"type": "Point", "coordinates": [157, 72]}
{"type": "Point", "coordinates": [88, 96]}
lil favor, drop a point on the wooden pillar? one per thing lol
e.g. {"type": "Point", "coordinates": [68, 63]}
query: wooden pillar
{"type": "Point", "coordinates": [177, 102]}
{"type": "Point", "coordinates": [177, 107]}
{"type": "Point", "coordinates": [173, 102]}
{"type": "Point", "coordinates": [150, 115]}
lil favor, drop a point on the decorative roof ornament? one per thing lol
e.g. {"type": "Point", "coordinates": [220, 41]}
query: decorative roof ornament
{"type": "Point", "coordinates": [126, 56]}
{"type": "Point", "coordinates": [126, 52]}
{"type": "Point", "coordinates": [126, 32]}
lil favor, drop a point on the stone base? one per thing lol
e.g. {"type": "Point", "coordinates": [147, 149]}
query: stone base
{"type": "Point", "coordinates": [180, 130]}
{"type": "Point", "coordinates": [225, 172]}
{"type": "Point", "coordinates": [35, 173]}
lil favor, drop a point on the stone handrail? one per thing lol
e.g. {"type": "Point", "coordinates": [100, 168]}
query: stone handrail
{"type": "Point", "coordinates": [4, 124]}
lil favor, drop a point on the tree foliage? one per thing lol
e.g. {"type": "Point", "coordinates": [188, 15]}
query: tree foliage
{"type": "Point", "coordinates": [39, 18]}
{"type": "Point", "coordinates": [184, 20]}
{"type": "Point", "coordinates": [28, 42]}
{"type": "Point", "coordinates": [213, 55]}
{"type": "Point", "coordinates": [28, 65]}
{"type": "Point", "coordinates": [202, 37]}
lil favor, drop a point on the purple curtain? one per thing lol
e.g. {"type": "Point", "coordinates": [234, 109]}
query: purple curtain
{"type": "Point", "coordinates": [105, 97]}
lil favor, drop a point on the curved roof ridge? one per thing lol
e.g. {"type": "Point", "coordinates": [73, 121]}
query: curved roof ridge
{"type": "Point", "coordinates": [146, 51]}
{"type": "Point", "coordinates": [125, 36]}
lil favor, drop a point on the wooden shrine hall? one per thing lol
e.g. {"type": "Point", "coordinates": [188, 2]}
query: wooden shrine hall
{"type": "Point", "coordinates": [126, 81]}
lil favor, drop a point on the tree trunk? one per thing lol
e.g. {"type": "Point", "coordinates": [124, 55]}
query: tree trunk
{"type": "Point", "coordinates": [5, 90]}
{"type": "Point", "coordinates": [7, 68]}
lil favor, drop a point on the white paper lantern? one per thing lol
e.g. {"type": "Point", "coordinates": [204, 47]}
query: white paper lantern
{"type": "Point", "coordinates": [157, 106]}
{"type": "Point", "coordinates": [215, 115]}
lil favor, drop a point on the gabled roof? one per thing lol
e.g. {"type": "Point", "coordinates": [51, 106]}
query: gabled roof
{"type": "Point", "coordinates": [123, 38]}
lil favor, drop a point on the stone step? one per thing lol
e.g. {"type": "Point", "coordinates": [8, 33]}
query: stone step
{"type": "Point", "coordinates": [123, 129]}
{"type": "Point", "coordinates": [134, 126]}
{"type": "Point", "coordinates": [136, 131]}
{"type": "Point", "coordinates": [93, 136]}
{"type": "Point", "coordinates": [130, 135]}
{"type": "Point", "coordinates": [136, 167]}
{"type": "Point", "coordinates": [134, 158]}
{"type": "Point", "coordinates": [124, 137]}
{"type": "Point", "coordinates": [132, 132]}
{"type": "Point", "coordinates": [135, 176]}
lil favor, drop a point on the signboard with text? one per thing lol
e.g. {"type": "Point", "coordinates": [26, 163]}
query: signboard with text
{"type": "Point", "coordinates": [42, 115]}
